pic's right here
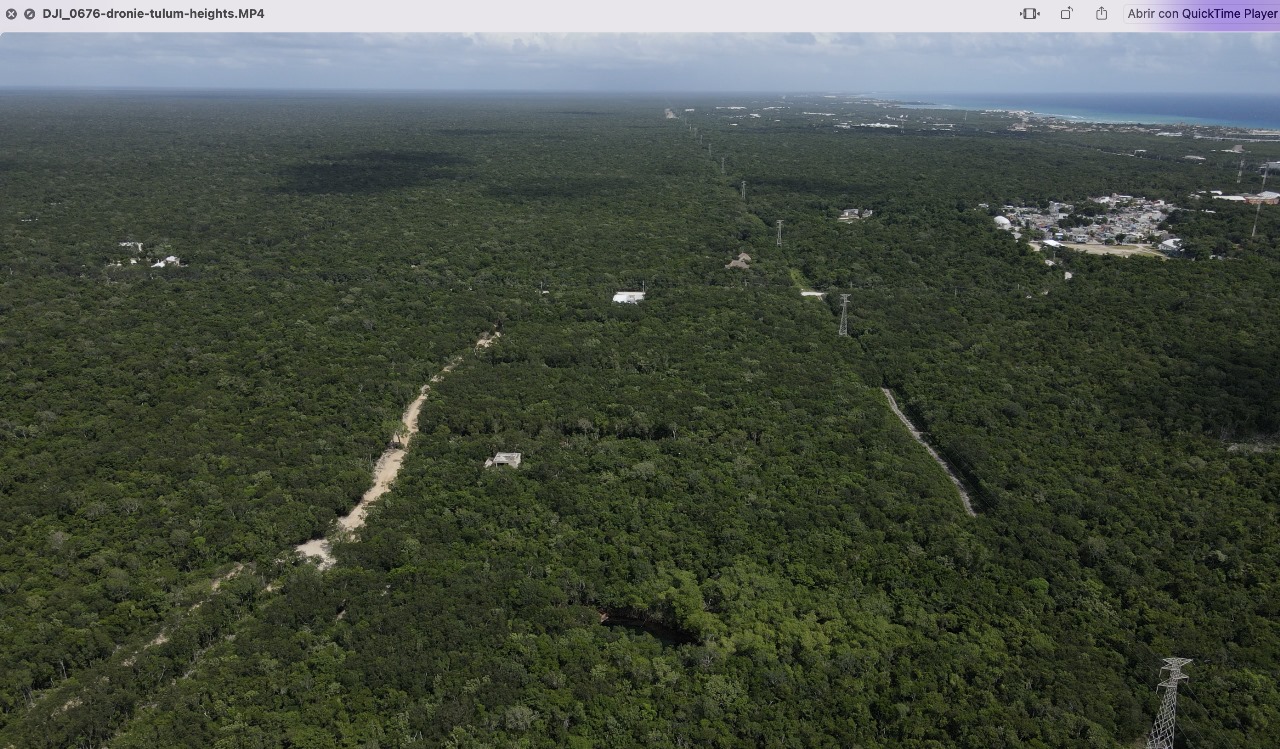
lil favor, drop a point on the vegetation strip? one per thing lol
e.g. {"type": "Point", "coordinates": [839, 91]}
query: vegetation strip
{"type": "Point", "coordinates": [919, 437]}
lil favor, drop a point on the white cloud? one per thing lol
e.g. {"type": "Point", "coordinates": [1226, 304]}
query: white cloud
{"type": "Point", "coordinates": [541, 61]}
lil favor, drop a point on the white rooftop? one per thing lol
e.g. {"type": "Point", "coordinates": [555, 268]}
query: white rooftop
{"type": "Point", "coordinates": [628, 297]}
{"type": "Point", "coordinates": [504, 459]}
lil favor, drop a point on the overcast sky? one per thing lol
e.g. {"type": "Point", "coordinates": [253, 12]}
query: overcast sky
{"type": "Point", "coordinates": [1093, 63]}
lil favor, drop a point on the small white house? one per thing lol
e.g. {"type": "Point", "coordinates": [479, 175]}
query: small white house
{"type": "Point", "coordinates": [628, 297]}
{"type": "Point", "coordinates": [504, 459]}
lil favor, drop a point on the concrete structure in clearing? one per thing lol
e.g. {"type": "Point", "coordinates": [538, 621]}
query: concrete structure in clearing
{"type": "Point", "coordinates": [810, 292]}
{"type": "Point", "coordinates": [628, 297]}
{"type": "Point", "coordinates": [169, 261]}
{"type": "Point", "coordinates": [504, 459]}
{"type": "Point", "coordinates": [1003, 223]}
{"type": "Point", "coordinates": [855, 214]}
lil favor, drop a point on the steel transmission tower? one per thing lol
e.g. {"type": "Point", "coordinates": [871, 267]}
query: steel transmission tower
{"type": "Point", "coordinates": [744, 189]}
{"type": "Point", "coordinates": [844, 314]}
{"type": "Point", "coordinates": [779, 232]}
{"type": "Point", "coordinates": [1162, 732]}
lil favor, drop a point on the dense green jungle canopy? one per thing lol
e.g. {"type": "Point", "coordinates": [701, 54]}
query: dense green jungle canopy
{"type": "Point", "coordinates": [720, 534]}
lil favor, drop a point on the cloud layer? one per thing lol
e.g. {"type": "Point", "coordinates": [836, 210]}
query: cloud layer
{"type": "Point", "coordinates": [1094, 63]}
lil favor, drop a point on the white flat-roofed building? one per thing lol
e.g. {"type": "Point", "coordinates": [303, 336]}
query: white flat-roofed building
{"type": "Point", "coordinates": [504, 459]}
{"type": "Point", "coordinates": [628, 297]}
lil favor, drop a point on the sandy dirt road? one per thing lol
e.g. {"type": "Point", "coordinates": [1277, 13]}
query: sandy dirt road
{"type": "Point", "coordinates": [919, 437]}
{"type": "Point", "coordinates": [387, 467]}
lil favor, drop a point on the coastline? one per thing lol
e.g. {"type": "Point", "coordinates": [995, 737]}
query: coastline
{"type": "Point", "coordinates": [1039, 107]}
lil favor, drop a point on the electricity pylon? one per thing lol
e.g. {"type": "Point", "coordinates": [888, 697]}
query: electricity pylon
{"type": "Point", "coordinates": [1162, 732]}
{"type": "Point", "coordinates": [844, 314]}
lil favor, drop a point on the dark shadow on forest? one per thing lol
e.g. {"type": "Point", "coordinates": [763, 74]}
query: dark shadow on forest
{"type": "Point", "coordinates": [640, 622]}
{"type": "Point", "coordinates": [574, 188]}
{"type": "Point", "coordinates": [370, 172]}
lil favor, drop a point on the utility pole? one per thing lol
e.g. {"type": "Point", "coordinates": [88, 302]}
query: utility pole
{"type": "Point", "coordinates": [744, 189]}
{"type": "Point", "coordinates": [722, 165]}
{"type": "Point", "coordinates": [844, 315]}
{"type": "Point", "coordinates": [1161, 736]}
{"type": "Point", "coordinates": [779, 232]}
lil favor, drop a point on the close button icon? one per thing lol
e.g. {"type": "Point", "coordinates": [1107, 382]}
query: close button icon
{"type": "Point", "coordinates": [11, 14]}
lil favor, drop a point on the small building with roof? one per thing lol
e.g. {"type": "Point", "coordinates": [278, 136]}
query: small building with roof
{"type": "Point", "coordinates": [504, 459]}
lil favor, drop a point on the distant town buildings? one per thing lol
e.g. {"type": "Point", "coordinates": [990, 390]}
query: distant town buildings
{"type": "Point", "coordinates": [1124, 217]}
{"type": "Point", "coordinates": [1264, 198]}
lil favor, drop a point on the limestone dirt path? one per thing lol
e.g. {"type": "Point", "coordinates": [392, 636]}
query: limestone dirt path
{"type": "Point", "coordinates": [919, 436]}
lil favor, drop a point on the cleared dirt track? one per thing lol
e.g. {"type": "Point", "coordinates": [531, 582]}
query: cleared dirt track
{"type": "Point", "coordinates": [387, 467]}
{"type": "Point", "coordinates": [919, 436]}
